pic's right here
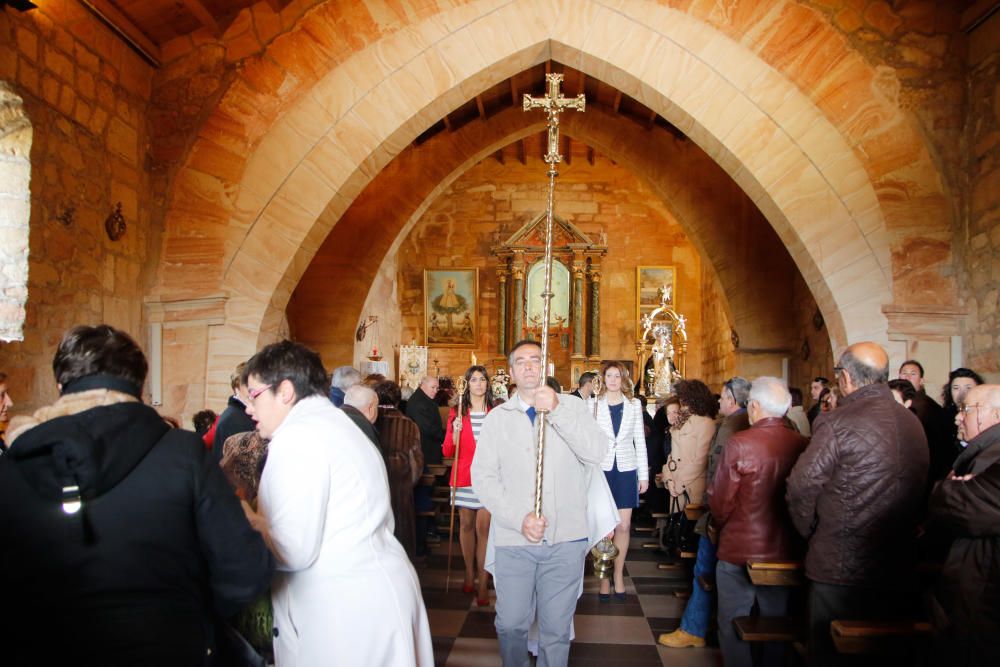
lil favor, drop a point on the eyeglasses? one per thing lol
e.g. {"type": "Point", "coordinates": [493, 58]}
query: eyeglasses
{"type": "Point", "coordinates": [837, 369]}
{"type": "Point", "coordinates": [252, 394]}
{"type": "Point", "coordinates": [966, 409]}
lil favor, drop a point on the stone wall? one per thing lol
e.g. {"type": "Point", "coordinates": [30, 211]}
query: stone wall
{"type": "Point", "coordinates": [85, 94]}
{"type": "Point", "coordinates": [980, 237]}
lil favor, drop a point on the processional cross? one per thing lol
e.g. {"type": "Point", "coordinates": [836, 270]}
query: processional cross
{"type": "Point", "coordinates": [554, 103]}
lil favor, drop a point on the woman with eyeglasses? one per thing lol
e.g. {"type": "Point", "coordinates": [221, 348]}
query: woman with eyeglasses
{"type": "Point", "coordinates": [474, 519]}
{"type": "Point", "coordinates": [619, 415]}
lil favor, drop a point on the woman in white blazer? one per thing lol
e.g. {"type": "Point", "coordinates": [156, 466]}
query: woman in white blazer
{"type": "Point", "coordinates": [620, 417]}
{"type": "Point", "coordinates": [345, 592]}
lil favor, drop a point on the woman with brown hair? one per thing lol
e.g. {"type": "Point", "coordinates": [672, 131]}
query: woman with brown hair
{"type": "Point", "coordinates": [620, 417]}
{"type": "Point", "coordinates": [690, 438]}
{"type": "Point", "coordinates": [474, 519]}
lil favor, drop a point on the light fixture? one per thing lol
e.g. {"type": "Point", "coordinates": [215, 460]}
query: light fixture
{"type": "Point", "coordinates": [19, 5]}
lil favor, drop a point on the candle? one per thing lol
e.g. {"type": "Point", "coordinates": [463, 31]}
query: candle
{"type": "Point", "coordinates": [472, 355]}
{"type": "Point", "coordinates": [552, 368]}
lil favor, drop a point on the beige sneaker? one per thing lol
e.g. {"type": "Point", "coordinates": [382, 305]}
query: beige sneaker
{"type": "Point", "coordinates": [680, 639]}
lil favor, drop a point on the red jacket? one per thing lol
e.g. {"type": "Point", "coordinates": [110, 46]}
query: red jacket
{"type": "Point", "coordinates": [747, 496]}
{"type": "Point", "coordinates": [460, 475]}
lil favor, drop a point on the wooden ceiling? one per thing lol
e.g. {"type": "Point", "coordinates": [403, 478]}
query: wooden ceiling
{"type": "Point", "coordinates": [149, 24]}
{"type": "Point", "coordinates": [509, 92]}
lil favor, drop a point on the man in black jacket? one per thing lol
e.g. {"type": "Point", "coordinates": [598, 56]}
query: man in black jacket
{"type": "Point", "coordinates": [422, 409]}
{"type": "Point", "coordinates": [234, 418]}
{"type": "Point", "coordinates": [967, 506]}
{"type": "Point", "coordinates": [120, 539]}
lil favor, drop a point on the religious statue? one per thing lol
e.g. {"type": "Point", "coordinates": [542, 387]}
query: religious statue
{"type": "Point", "coordinates": [659, 330]}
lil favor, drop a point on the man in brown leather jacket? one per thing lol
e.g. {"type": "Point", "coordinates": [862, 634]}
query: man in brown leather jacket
{"type": "Point", "coordinates": [856, 495]}
{"type": "Point", "coordinates": [746, 498]}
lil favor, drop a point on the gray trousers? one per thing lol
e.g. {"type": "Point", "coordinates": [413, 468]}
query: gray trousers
{"type": "Point", "coordinates": [736, 598]}
{"type": "Point", "coordinates": [546, 577]}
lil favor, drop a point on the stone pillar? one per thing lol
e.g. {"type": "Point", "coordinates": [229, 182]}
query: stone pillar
{"type": "Point", "coordinates": [517, 295]}
{"type": "Point", "coordinates": [595, 313]}
{"type": "Point", "coordinates": [578, 267]}
{"type": "Point", "coordinates": [502, 311]}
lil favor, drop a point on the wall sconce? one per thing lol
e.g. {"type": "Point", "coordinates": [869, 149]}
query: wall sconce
{"type": "Point", "coordinates": [115, 224]}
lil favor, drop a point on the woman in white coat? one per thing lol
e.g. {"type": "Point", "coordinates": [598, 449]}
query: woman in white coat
{"type": "Point", "coordinates": [620, 417]}
{"type": "Point", "coordinates": [346, 593]}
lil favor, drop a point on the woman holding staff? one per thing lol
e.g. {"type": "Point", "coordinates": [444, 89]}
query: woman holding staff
{"type": "Point", "coordinates": [620, 417]}
{"type": "Point", "coordinates": [464, 423]}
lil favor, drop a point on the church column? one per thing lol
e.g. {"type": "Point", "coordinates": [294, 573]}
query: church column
{"type": "Point", "coordinates": [517, 294]}
{"type": "Point", "coordinates": [595, 312]}
{"type": "Point", "coordinates": [577, 306]}
{"type": "Point", "coordinates": [502, 311]}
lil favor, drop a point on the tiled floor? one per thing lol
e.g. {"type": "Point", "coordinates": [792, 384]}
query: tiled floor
{"type": "Point", "coordinates": [607, 634]}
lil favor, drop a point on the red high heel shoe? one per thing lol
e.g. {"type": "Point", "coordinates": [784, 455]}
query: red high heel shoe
{"type": "Point", "coordinates": [468, 589]}
{"type": "Point", "coordinates": [482, 602]}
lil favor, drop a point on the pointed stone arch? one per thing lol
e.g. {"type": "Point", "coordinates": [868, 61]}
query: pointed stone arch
{"type": "Point", "coordinates": [15, 208]}
{"type": "Point", "coordinates": [825, 176]}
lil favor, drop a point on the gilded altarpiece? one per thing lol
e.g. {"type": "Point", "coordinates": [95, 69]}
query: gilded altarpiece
{"type": "Point", "coordinates": [574, 318]}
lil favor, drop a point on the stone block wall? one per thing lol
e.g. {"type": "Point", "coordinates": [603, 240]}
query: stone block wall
{"type": "Point", "coordinates": [85, 95]}
{"type": "Point", "coordinates": [979, 241]}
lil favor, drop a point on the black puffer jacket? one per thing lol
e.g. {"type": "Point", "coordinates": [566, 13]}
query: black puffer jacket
{"type": "Point", "coordinates": [856, 491]}
{"type": "Point", "coordinates": [135, 577]}
{"type": "Point", "coordinates": [968, 591]}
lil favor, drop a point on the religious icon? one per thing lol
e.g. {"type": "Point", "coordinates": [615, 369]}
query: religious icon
{"type": "Point", "coordinates": [450, 307]}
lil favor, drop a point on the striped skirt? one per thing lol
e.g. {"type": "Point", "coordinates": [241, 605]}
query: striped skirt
{"type": "Point", "coordinates": [466, 497]}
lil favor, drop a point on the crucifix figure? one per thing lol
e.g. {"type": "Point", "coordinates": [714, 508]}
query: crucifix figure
{"type": "Point", "coordinates": [554, 103]}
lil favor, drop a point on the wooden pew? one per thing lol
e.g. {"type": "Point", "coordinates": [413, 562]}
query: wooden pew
{"type": "Point", "coordinates": [879, 637]}
{"type": "Point", "coordinates": [693, 511]}
{"type": "Point", "coordinates": [769, 628]}
{"type": "Point", "coordinates": [776, 573]}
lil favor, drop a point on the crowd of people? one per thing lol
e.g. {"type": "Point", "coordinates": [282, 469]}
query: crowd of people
{"type": "Point", "coordinates": [287, 528]}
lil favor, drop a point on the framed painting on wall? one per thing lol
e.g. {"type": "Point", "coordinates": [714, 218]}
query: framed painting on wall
{"type": "Point", "coordinates": [648, 281]}
{"type": "Point", "coordinates": [451, 307]}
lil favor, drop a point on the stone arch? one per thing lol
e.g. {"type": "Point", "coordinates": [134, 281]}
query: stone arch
{"type": "Point", "coordinates": [810, 166]}
{"type": "Point", "coordinates": [348, 263]}
{"type": "Point", "coordinates": [15, 208]}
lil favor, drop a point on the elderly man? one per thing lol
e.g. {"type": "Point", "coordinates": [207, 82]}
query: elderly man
{"type": "Point", "coordinates": [855, 494]}
{"type": "Point", "coordinates": [966, 506]}
{"type": "Point", "coordinates": [423, 409]}
{"type": "Point", "coordinates": [343, 378]}
{"type": "Point", "coordinates": [361, 405]}
{"type": "Point", "coordinates": [5, 405]}
{"type": "Point", "coordinates": [746, 501]}
{"type": "Point", "coordinates": [539, 559]}
{"type": "Point", "coordinates": [698, 612]}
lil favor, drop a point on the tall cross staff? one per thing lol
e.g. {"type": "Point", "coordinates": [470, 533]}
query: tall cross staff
{"type": "Point", "coordinates": [554, 104]}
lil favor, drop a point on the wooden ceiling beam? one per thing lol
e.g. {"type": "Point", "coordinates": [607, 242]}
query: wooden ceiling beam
{"type": "Point", "coordinates": [522, 152]}
{"type": "Point", "coordinates": [447, 123]}
{"type": "Point", "coordinates": [204, 16]}
{"type": "Point", "coordinates": [618, 102]}
{"type": "Point", "coordinates": [567, 149]}
{"type": "Point", "coordinates": [499, 156]}
{"type": "Point", "coordinates": [513, 93]}
{"type": "Point", "coordinates": [651, 120]}
{"type": "Point", "coordinates": [125, 28]}
{"type": "Point", "coordinates": [591, 156]}
{"type": "Point", "coordinates": [481, 107]}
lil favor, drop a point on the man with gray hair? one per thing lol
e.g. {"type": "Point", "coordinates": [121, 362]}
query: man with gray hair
{"type": "Point", "coordinates": [856, 495]}
{"type": "Point", "coordinates": [343, 379]}
{"type": "Point", "coordinates": [361, 405]}
{"type": "Point", "coordinates": [746, 501]}
{"type": "Point", "coordinates": [698, 612]}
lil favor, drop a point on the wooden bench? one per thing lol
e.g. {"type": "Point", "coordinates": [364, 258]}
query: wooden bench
{"type": "Point", "coordinates": [776, 573]}
{"type": "Point", "coordinates": [768, 628]}
{"type": "Point", "coordinates": [437, 469]}
{"type": "Point", "coordinates": [427, 480]}
{"type": "Point", "coordinates": [878, 637]}
{"type": "Point", "coordinates": [693, 511]}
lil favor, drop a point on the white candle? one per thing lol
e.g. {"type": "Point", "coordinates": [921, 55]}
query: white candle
{"type": "Point", "coordinates": [552, 368]}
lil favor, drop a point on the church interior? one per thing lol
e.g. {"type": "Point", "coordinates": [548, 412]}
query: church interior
{"type": "Point", "coordinates": [215, 175]}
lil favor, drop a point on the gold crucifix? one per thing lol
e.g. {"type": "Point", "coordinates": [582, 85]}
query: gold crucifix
{"type": "Point", "coordinates": [554, 104]}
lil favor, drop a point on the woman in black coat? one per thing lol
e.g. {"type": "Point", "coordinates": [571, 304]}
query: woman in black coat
{"type": "Point", "coordinates": [120, 540]}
